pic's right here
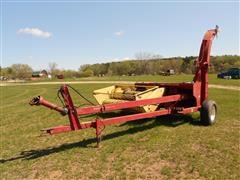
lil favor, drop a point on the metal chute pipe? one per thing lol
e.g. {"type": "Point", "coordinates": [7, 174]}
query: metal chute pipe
{"type": "Point", "coordinates": [39, 100]}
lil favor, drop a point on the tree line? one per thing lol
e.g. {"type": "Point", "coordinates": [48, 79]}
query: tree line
{"type": "Point", "coordinates": [141, 66]}
{"type": "Point", "coordinates": [180, 65]}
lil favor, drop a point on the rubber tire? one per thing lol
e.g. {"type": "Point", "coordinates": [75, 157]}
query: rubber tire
{"type": "Point", "coordinates": [208, 112]}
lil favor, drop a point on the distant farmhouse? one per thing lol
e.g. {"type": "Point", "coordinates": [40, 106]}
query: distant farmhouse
{"type": "Point", "coordinates": [40, 74]}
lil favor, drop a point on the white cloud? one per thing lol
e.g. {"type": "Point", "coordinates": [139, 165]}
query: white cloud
{"type": "Point", "coordinates": [119, 33]}
{"type": "Point", "coordinates": [121, 59]}
{"type": "Point", "coordinates": [36, 32]}
{"type": "Point", "coordinates": [127, 58]}
{"type": "Point", "coordinates": [115, 59]}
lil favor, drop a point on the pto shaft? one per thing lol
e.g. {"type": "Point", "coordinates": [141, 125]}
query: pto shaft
{"type": "Point", "coordinates": [38, 100]}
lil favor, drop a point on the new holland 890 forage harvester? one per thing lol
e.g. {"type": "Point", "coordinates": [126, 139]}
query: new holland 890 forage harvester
{"type": "Point", "coordinates": [144, 99]}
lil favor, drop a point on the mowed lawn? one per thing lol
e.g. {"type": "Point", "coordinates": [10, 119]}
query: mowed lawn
{"type": "Point", "coordinates": [155, 78]}
{"type": "Point", "coordinates": [166, 147]}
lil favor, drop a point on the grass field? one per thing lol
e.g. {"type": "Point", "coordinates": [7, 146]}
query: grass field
{"type": "Point", "coordinates": [157, 78]}
{"type": "Point", "coordinates": [173, 78]}
{"type": "Point", "coordinates": [162, 148]}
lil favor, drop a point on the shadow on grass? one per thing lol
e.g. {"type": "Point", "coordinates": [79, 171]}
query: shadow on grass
{"type": "Point", "coordinates": [168, 120]}
{"type": "Point", "coordinates": [135, 126]}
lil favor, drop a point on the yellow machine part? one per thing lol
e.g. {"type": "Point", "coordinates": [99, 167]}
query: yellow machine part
{"type": "Point", "coordinates": [128, 92]}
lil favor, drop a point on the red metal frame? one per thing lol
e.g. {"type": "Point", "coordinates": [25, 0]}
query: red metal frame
{"type": "Point", "coordinates": [180, 98]}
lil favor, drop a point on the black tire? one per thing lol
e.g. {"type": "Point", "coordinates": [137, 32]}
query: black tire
{"type": "Point", "coordinates": [208, 112]}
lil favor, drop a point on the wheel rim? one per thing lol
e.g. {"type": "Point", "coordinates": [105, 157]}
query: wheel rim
{"type": "Point", "coordinates": [213, 114]}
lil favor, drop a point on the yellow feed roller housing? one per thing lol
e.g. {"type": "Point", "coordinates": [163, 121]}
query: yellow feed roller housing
{"type": "Point", "coordinates": [128, 92]}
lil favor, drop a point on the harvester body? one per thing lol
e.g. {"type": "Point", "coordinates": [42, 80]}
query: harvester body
{"type": "Point", "coordinates": [144, 99]}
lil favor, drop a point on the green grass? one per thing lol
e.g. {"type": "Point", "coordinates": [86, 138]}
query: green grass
{"type": "Point", "coordinates": [157, 78]}
{"type": "Point", "coordinates": [166, 147]}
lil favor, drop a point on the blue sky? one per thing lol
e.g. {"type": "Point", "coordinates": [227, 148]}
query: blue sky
{"type": "Point", "coordinates": [75, 33]}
